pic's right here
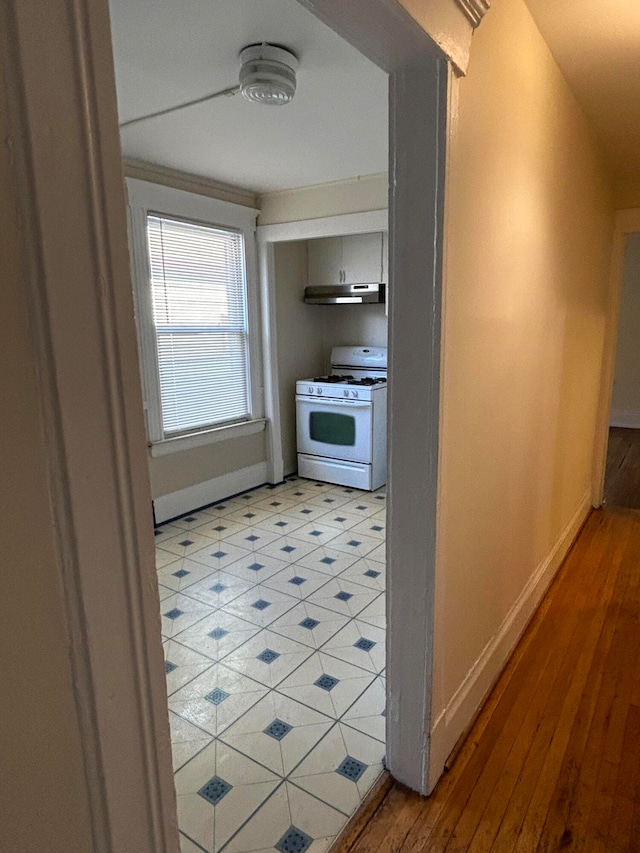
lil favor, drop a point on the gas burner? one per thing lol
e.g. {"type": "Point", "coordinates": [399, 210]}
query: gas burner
{"type": "Point", "coordinates": [335, 377]}
{"type": "Point", "coordinates": [368, 380]}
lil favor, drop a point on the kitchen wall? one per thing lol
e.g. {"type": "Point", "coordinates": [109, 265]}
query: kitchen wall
{"type": "Point", "coordinates": [306, 334]}
{"type": "Point", "coordinates": [355, 195]}
{"type": "Point", "coordinates": [627, 192]}
{"type": "Point", "coordinates": [625, 403]}
{"type": "Point", "coordinates": [528, 244]}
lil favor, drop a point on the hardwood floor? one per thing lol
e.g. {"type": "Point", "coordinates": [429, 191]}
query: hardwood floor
{"type": "Point", "coordinates": [622, 477]}
{"type": "Point", "coordinates": [553, 760]}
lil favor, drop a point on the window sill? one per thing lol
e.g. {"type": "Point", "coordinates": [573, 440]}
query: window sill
{"type": "Point", "coordinates": [210, 436]}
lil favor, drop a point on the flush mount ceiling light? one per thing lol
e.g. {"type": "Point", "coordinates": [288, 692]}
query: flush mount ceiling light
{"type": "Point", "coordinates": [268, 74]}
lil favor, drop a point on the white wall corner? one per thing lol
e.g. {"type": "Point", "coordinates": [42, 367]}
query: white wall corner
{"type": "Point", "coordinates": [202, 494]}
{"type": "Point", "coordinates": [627, 420]}
{"type": "Point", "coordinates": [455, 719]}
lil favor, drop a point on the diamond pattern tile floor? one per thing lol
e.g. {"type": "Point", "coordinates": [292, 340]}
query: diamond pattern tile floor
{"type": "Point", "coordinates": [273, 618]}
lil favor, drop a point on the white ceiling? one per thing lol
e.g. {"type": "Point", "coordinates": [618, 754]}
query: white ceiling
{"type": "Point", "coordinates": [169, 52]}
{"type": "Point", "coordinates": [596, 43]}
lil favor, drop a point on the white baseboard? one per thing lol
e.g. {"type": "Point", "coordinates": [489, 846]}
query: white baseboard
{"type": "Point", "coordinates": [627, 420]}
{"type": "Point", "coordinates": [468, 698]}
{"type": "Point", "coordinates": [185, 500]}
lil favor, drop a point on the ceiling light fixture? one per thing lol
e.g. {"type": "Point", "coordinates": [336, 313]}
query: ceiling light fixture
{"type": "Point", "coordinates": [268, 74]}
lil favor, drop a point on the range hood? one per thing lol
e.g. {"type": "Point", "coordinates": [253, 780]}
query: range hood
{"type": "Point", "coordinates": [344, 294]}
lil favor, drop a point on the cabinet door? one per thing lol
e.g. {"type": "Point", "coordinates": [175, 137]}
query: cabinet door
{"type": "Point", "coordinates": [362, 258]}
{"type": "Point", "coordinates": [325, 261]}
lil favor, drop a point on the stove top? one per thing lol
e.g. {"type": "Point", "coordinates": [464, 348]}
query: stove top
{"type": "Point", "coordinates": [348, 379]}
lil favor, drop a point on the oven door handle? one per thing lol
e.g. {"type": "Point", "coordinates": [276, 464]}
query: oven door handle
{"type": "Point", "coordinates": [329, 401]}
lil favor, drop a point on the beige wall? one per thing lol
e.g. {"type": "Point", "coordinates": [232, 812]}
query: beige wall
{"type": "Point", "coordinates": [300, 331]}
{"type": "Point", "coordinates": [177, 471]}
{"type": "Point", "coordinates": [355, 195]}
{"type": "Point", "coordinates": [625, 402]}
{"type": "Point", "coordinates": [530, 217]}
{"type": "Point", "coordinates": [627, 192]}
{"type": "Point", "coordinates": [43, 801]}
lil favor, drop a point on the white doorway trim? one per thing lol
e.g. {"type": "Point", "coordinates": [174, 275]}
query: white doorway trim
{"type": "Point", "coordinates": [66, 164]}
{"type": "Point", "coordinates": [627, 222]}
{"type": "Point", "coordinates": [267, 236]}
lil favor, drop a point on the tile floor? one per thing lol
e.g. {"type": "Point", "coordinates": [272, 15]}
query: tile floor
{"type": "Point", "coordinates": [273, 623]}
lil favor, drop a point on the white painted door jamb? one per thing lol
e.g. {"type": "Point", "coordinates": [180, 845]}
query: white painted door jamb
{"type": "Point", "coordinates": [66, 167]}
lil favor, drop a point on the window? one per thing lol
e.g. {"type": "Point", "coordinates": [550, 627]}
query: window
{"type": "Point", "coordinates": [196, 292]}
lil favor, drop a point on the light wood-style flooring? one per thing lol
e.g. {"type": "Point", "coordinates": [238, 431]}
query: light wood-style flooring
{"type": "Point", "coordinates": [622, 477]}
{"type": "Point", "coordinates": [552, 763]}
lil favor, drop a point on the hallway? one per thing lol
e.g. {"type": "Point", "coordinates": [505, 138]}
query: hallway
{"type": "Point", "coordinates": [553, 761]}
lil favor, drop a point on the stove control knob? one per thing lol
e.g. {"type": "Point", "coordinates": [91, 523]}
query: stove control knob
{"type": "Point", "coordinates": [346, 393]}
{"type": "Point", "coordinates": [318, 390]}
{"type": "Point", "coordinates": [310, 389]}
{"type": "Point", "coordinates": [354, 393]}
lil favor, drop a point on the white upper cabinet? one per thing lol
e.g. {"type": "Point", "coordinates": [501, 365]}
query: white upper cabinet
{"type": "Point", "coordinates": [353, 259]}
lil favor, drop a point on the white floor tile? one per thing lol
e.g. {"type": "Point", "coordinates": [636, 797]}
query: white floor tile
{"type": "Point", "coordinates": [341, 520]}
{"type": "Point", "coordinates": [363, 507]}
{"type": "Point", "coordinates": [187, 846]}
{"type": "Point", "coordinates": [316, 533]}
{"type": "Point", "coordinates": [328, 561]}
{"type": "Point", "coordinates": [223, 508]}
{"type": "Point", "coordinates": [343, 596]}
{"type": "Point", "coordinates": [297, 581]}
{"type": "Point", "coordinates": [256, 568]}
{"type": "Point", "coordinates": [252, 538]}
{"type": "Point", "coordinates": [230, 694]}
{"type": "Point", "coordinates": [219, 555]}
{"type": "Point", "coordinates": [185, 544]}
{"type": "Point", "coordinates": [186, 740]}
{"type": "Point", "coordinates": [163, 592]}
{"type": "Point", "coordinates": [354, 543]}
{"type": "Point", "coordinates": [309, 624]}
{"type": "Point", "coordinates": [341, 768]}
{"type": "Point", "coordinates": [289, 810]}
{"type": "Point", "coordinates": [249, 515]}
{"type": "Point", "coordinates": [360, 644]}
{"type": "Point", "coordinates": [182, 664]}
{"type": "Point", "coordinates": [261, 605]}
{"type": "Point", "coordinates": [329, 501]}
{"type": "Point", "coordinates": [219, 528]}
{"type": "Point", "coordinates": [164, 558]}
{"type": "Point", "coordinates": [288, 549]}
{"type": "Point", "coordinates": [281, 524]}
{"type": "Point", "coordinates": [327, 684]}
{"type": "Point", "coordinates": [277, 732]}
{"type": "Point", "coordinates": [240, 784]}
{"type": "Point", "coordinates": [268, 657]}
{"type": "Point", "coordinates": [368, 573]}
{"type": "Point", "coordinates": [379, 553]}
{"type": "Point", "coordinates": [218, 635]}
{"type": "Point", "coordinates": [180, 612]}
{"type": "Point", "coordinates": [165, 531]}
{"type": "Point", "coordinates": [375, 613]}
{"type": "Point", "coordinates": [218, 587]}
{"type": "Point", "coordinates": [190, 520]}
{"type": "Point", "coordinates": [277, 503]}
{"type": "Point", "coordinates": [367, 714]}
{"type": "Point", "coordinates": [182, 574]}
{"type": "Point", "coordinates": [306, 512]}
{"type": "Point", "coordinates": [374, 527]}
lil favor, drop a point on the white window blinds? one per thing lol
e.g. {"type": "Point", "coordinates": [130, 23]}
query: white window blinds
{"type": "Point", "coordinates": [200, 315]}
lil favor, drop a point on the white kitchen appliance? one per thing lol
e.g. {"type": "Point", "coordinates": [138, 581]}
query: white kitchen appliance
{"type": "Point", "coordinates": [342, 420]}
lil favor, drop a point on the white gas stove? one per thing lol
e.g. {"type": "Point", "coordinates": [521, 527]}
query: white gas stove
{"type": "Point", "coordinates": [342, 420]}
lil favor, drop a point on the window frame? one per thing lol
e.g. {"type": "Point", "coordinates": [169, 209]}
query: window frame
{"type": "Point", "coordinates": [145, 198]}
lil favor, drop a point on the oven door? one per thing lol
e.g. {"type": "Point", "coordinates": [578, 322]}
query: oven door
{"type": "Point", "coordinates": [337, 429]}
